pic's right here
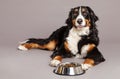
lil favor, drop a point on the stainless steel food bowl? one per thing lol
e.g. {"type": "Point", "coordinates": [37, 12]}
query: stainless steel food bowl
{"type": "Point", "coordinates": [69, 68]}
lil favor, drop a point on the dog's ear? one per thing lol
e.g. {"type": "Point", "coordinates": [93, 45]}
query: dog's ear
{"type": "Point", "coordinates": [92, 14]}
{"type": "Point", "coordinates": [69, 19]}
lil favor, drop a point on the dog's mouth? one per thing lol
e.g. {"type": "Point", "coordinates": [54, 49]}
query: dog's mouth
{"type": "Point", "coordinates": [80, 26]}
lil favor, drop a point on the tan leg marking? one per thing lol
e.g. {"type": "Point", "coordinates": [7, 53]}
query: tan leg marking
{"type": "Point", "coordinates": [55, 61]}
{"type": "Point", "coordinates": [89, 61]}
{"type": "Point", "coordinates": [66, 46]}
{"type": "Point", "coordinates": [50, 46]}
{"type": "Point", "coordinates": [30, 45]}
{"type": "Point", "coordinates": [91, 46]}
{"type": "Point", "coordinates": [58, 58]}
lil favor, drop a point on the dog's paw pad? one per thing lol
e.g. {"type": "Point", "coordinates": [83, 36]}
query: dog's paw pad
{"type": "Point", "coordinates": [21, 47]}
{"type": "Point", "coordinates": [54, 63]}
{"type": "Point", "coordinates": [86, 66]}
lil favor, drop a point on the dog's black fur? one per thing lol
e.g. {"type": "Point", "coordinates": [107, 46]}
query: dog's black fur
{"type": "Point", "coordinates": [59, 36]}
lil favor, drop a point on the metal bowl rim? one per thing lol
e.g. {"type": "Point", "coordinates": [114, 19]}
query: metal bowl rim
{"type": "Point", "coordinates": [62, 65]}
{"type": "Point", "coordinates": [69, 74]}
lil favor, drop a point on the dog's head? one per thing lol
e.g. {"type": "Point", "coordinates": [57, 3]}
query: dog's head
{"type": "Point", "coordinates": [82, 16]}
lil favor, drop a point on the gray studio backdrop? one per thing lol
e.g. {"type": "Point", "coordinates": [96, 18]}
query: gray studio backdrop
{"type": "Point", "coordinates": [22, 19]}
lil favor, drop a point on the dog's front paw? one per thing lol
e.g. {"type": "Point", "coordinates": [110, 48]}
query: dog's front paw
{"type": "Point", "coordinates": [54, 63]}
{"type": "Point", "coordinates": [86, 66]}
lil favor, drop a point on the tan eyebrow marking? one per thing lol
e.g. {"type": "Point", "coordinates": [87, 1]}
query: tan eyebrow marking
{"type": "Point", "coordinates": [76, 10]}
{"type": "Point", "coordinates": [83, 10]}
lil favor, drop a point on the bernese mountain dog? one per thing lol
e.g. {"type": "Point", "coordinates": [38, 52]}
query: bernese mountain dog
{"type": "Point", "coordinates": [79, 38]}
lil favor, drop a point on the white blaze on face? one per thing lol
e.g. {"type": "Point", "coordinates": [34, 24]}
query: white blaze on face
{"type": "Point", "coordinates": [80, 16]}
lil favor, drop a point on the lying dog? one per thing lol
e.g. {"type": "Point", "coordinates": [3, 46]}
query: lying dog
{"type": "Point", "coordinates": [79, 38]}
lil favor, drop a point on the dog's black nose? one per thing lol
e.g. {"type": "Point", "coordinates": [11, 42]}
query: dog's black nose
{"type": "Point", "coordinates": [79, 21]}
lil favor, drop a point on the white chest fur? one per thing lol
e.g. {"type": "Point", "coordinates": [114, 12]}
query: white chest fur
{"type": "Point", "coordinates": [74, 37]}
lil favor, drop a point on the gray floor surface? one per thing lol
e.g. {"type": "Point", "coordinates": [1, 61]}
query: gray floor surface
{"type": "Point", "coordinates": [34, 64]}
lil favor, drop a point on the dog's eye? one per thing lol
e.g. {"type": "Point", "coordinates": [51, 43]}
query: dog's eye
{"type": "Point", "coordinates": [75, 15]}
{"type": "Point", "coordinates": [84, 13]}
